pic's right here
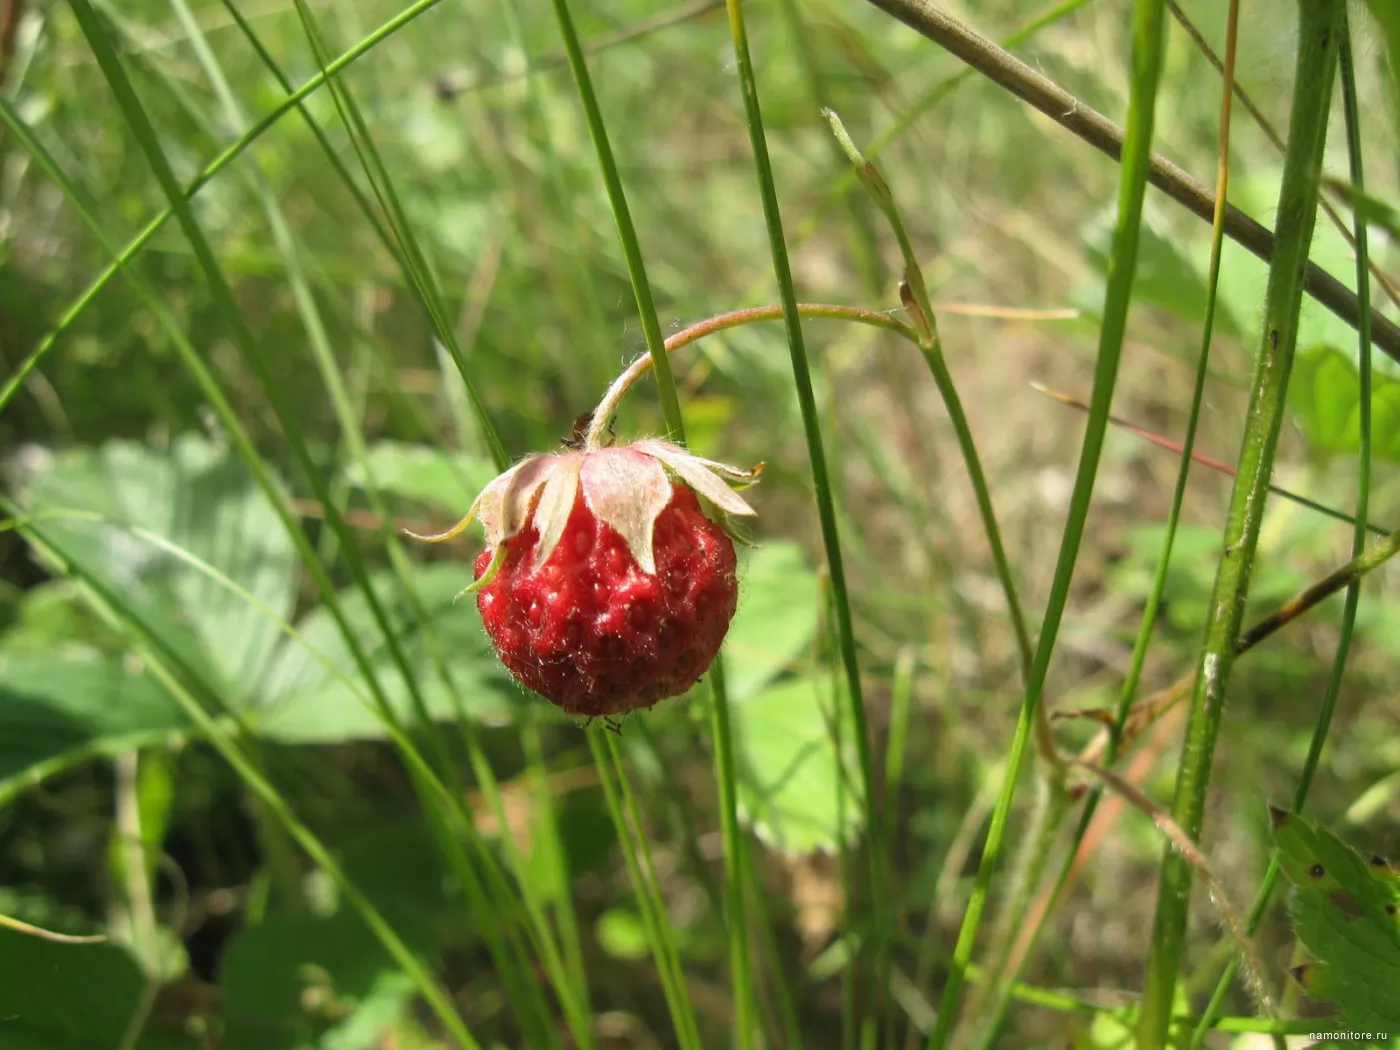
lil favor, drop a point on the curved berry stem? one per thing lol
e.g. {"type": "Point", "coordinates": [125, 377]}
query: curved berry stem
{"type": "Point", "coordinates": [596, 435]}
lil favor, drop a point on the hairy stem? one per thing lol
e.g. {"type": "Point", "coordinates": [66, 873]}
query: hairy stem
{"type": "Point", "coordinates": [1358, 538]}
{"type": "Point", "coordinates": [1297, 213]}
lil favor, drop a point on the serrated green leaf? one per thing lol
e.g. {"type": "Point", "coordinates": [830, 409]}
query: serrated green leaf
{"type": "Point", "coordinates": [1326, 395]}
{"type": "Point", "coordinates": [199, 498]}
{"type": "Point", "coordinates": [306, 703]}
{"type": "Point", "coordinates": [426, 474]}
{"type": "Point", "coordinates": [791, 790]}
{"type": "Point", "coordinates": [776, 619]}
{"type": "Point", "coordinates": [65, 996]}
{"type": "Point", "coordinates": [1344, 910]}
{"type": "Point", "coordinates": [58, 706]}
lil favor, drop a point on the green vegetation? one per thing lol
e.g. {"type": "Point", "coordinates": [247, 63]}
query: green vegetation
{"type": "Point", "coordinates": [280, 282]}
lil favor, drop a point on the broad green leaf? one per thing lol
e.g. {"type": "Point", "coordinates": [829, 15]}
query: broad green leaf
{"type": "Point", "coordinates": [1344, 910]}
{"type": "Point", "coordinates": [426, 474]}
{"type": "Point", "coordinates": [293, 981]}
{"type": "Point", "coordinates": [65, 996]}
{"type": "Point", "coordinates": [199, 498]}
{"type": "Point", "coordinates": [306, 703]}
{"type": "Point", "coordinates": [1326, 395]}
{"type": "Point", "coordinates": [776, 619]}
{"type": "Point", "coordinates": [58, 707]}
{"type": "Point", "coordinates": [791, 790]}
{"type": "Point", "coordinates": [297, 982]}
{"type": "Point", "coordinates": [52, 614]}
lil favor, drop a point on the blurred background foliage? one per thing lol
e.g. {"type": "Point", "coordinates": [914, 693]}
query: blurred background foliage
{"type": "Point", "coordinates": [472, 108]}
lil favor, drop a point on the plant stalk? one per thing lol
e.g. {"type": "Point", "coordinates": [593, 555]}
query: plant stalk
{"type": "Point", "coordinates": [1358, 537]}
{"type": "Point", "coordinates": [1319, 27]}
{"type": "Point", "coordinates": [1137, 151]}
{"type": "Point", "coordinates": [822, 484]}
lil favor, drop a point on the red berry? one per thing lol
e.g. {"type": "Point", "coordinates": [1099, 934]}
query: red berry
{"type": "Point", "coordinates": [604, 586]}
{"type": "Point", "coordinates": [595, 634]}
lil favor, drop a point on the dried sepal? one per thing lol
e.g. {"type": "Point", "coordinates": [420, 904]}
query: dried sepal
{"type": "Point", "coordinates": [509, 510]}
{"type": "Point", "coordinates": [488, 503]}
{"type": "Point", "coordinates": [556, 504]}
{"type": "Point", "coordinates": [699, 474]}
{"type": "Point", "coordinates": [628, 490]}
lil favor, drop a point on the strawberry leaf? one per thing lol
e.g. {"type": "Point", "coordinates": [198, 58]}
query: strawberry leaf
{"type": "Point", "coordinates": [1344, 910]}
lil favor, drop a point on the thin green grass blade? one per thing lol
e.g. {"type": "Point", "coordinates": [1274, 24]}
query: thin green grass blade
{"type": "Point", "coordinates": [417, 269]}
{"type": "Point", "coordinates": [590, 342]}
{"type": "Point", "coordinates": [1149, 616]}
{"type": "Point", "coordinates": [519, 980]}
{"type": "Point", "coordinates": [149, 650]}
{"type": "Point", "coordinates": [654, 919]}
{"type": "Point", "coordinates": [722, 740]}
{"type": "Point", "coordinates": [1297, 212]}
{"type": "Point", "coordinates": [145, 134]}
{"type": "Point", "coordinates": [565, 916]}
{"type": "Point", "coordinates": [122, 258]}
{"type": "Point", "coordinates": [332, 157]}
{"type": "Point", "coordinates": [930, 97]}
{"type": "Point", "coordinates": [1352, 115]}
{"type": "Point", "coordinates": [901, 693]}
{"type": "Point", "coordinates": [626, 232]}
{"type": "Point", "coordinates": [826, 509]}
{"type": "Point", "coordinates": [920, 307]}
{"type": "Point", "coordinates": [864, 242]}
{"type": "Point", "coordinates": [1146, 70]}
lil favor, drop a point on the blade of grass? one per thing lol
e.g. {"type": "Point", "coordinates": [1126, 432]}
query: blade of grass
{"type": "Point", "coordinates": [1214, 464]}
{"type": "Point", "coordinates": [1137, 151]}
{"type": "Point", "coordinates": [418, 270]}
{"type": "Point", "coordinates": [123, 257]}
{"type": "Point", "coordinates": [1008, 968]}
{"type": "Point", "coordinates": [825, 507]}
{"type": "Point", "coordinates": [448, 88]}
{"type": "Point", "coordinates": [149, 650]}
{"type": "Point", "coordinates": [930, 97]}
{"type": "Point", "coordinates": [138, 120]}
{"type": "Point", "coordinates": [518, 979]}
{"type": "Point", "coordinates": [566, 918]}
{"type": "Point", "coordinates": [632, 842]}
{"type": "Point", "coordinates": [525, 991]}
{"type": "Point", "coordinates": [722, 740]}
{"type": "Point", "coordinates": [917, 303]}
{"type": "Point", "coordinates": [1297, 213]}
{"type": "Point", "coordinates": [1083, 121]}
{"type": "Point", "coordinates": [622, 215]}
{"type": "Point", "coordinates": [1264, 125]}
{"type": "Point", "coordinates": [1351, 112]}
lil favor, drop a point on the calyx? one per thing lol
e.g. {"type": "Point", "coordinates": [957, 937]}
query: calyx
{"type": "Point", "coordinates": [627, 487]}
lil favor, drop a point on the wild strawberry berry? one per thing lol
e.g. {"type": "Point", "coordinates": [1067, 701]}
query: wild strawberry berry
{"type": "Point", "coordinates": [604, 586]}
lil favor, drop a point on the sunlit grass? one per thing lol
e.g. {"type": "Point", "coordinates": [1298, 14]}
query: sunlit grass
{"type": "Point", "coordinates": [412, 245]}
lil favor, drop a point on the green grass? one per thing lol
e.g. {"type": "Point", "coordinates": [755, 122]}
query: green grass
{"type": "Point", "coordinates": [278, 281]}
